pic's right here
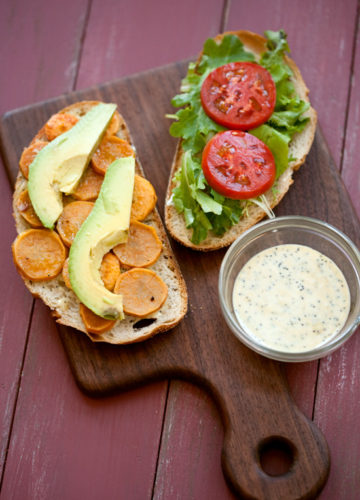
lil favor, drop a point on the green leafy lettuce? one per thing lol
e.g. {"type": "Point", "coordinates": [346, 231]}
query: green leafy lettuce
{"type": "Point", "coordinates": [203, 208]}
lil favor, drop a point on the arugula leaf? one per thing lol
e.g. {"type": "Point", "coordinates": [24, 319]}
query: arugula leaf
{"type": "Point", "coordinates": [290, 120]}
{"type": "Point", "coordinates": [277, 46]}
{"type": "Point", "coordinates": [289, 107]}
{"type": "Point", "coordinates": [231, 49]}
{"type": "Point", "coordinates": [232, 211]}
{"type": "Point", "coordinates": [204, 209]}
{"type": "Point", "coordinates": [195, 127]}
{"type": "Point", "coordinates": [207, 203]}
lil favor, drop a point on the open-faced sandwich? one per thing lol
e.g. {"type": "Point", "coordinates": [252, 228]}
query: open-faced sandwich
{"type": "Point", "coordinates": [245, 125]}
{"type": "Point", "coordinates": [91, 244]}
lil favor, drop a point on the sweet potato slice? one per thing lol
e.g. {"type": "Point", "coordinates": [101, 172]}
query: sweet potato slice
{"type": "Point", "coordinates": [39, 254]}
{"type": "Point", "coordinates": [142, 248]}
{"type": "Point", "coordinates": [144, 198]}
{"type": "Point", "coordinates": [58, 124]}
{"type": "Point", "coordinates": [94, 323]}
{"type": "Point", "coordinates": [24, 205]}
{"type": "Point", "coordinates": [143, 291]}
{"type": "Point", "coordinates": [114, 124]}
{"type": "Point", "coordinates": [109, 150]}
{"type": "Point", "coordinates": [28, 156]}
{"type": "Point", "coordinates": [71, 219]}
{"type": "Point", "coordinates": [89, 185]}
{"type": "Point", "coordinates": [109, 270]}
{"type": "Point", "coordinates": [65, 274]}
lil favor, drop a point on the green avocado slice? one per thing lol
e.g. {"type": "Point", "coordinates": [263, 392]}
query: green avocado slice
{"type": "Point", "coordinates": [58, 167]}
{"type": "Point", "coordinates": [106, 226]}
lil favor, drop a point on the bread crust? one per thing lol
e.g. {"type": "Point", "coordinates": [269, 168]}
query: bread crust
{"type": "Point", "coordinates": [63, 302]}
{"type": "Point", "coordinates": [298, 148]}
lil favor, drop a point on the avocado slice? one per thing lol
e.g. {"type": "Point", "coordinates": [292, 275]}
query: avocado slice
{"type": "Point", "coordinates": [58, 167]}
{"type": "Point", "coordinates": [106, 226]}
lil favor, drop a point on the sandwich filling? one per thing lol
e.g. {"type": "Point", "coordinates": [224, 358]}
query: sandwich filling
{"type": "Point", "coordinates": [105, 224]}
{"type": "Point", "coordinates": [278, 117]}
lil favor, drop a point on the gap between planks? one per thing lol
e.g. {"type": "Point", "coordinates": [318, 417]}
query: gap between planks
{"type": "Point", "coordinates": [81, 44]}
{"type": "Point", "coordinates": [161, 439]}
{"type": "Point", "coordinates": [17, 392]}
{"type": "Point", "coordinates": [224, 15]}
{"type": "Point", "coordinates": [351, 75]}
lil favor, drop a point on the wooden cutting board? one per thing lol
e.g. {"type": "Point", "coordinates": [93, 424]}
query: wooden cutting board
{"type": "Point", "coordinates": [250, 391]}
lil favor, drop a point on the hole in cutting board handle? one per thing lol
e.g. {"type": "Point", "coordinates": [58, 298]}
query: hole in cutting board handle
{"type": "Point", "coordinates": [276, 456]}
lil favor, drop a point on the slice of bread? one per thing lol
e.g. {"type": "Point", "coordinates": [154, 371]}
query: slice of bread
{"type": "Point", "coordinates": [298, 148]}
{"type": "Point", "coordinates": [63, 302]}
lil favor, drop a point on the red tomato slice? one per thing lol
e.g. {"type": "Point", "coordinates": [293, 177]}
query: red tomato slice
{"type": "Point", "coordinates": [238, 165]}
{"type": "Point", "coordinates": [239, 95]}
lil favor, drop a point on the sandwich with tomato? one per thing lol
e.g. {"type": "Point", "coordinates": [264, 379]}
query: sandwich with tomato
{"type": "Point", "coordinates": [245, 124]}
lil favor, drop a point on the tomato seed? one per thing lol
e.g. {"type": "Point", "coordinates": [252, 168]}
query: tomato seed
{"type": "Point", "coordinates": [244, 180]}
{"type": "Point", "coordinates": [222, 105]}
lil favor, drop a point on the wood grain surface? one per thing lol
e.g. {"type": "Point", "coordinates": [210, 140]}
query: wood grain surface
{"type": "Point", "coordinates": [45, 77]}
{"type": "Point", "coordinates": [48, 48]}
{"type": "Point", "coordinates": [246, 387]}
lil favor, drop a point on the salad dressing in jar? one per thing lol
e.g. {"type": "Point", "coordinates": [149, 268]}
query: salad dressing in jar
{"type": "Point", "coordinates": [291, 298]}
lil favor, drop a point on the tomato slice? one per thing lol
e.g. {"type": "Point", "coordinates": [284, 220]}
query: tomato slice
{"type": "Point", "coordinates": [238, 165]}
{"type": "Point", "coordinates": [239, 95]}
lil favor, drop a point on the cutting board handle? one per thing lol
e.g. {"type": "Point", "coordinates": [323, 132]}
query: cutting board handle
{"type": "Point", "coordinates": [257, 411]}
{"type": "Point", "coordinates": [260, 417]}
{"type": "Point", "coordinates": [308, 463]}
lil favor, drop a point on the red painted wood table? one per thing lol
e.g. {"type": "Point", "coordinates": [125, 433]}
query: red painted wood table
{"type": "Point", "coordinates": [163, 440]}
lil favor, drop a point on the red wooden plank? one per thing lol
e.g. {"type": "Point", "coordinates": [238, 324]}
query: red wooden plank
{"type": "Point", "coordinates": [190, 465]}
{"type": "Point", "coordinates": [302, 382]}
{"type": "Point", "coordinates": [66, 445]}
{"type": "Point", "coordinates": [350, 167]}
{"type": "Point", "coordinates": [339, 375]}
{"type": "Point", "coordinates": [337, 414]}
{"type": "Point", "coordinates": [137, 35]}
{"type": "Point", "coordinates": [15, 306]}
{"type": "Point", "coordinates": [38, 43]}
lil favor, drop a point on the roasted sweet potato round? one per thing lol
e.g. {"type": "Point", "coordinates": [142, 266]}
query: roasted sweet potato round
{"type": "Point", "coordinates": [142, 248]}
{"type": "Point", "coordinates": [143, 291]}
{"type": "Point", "coordinates": [39, 254]}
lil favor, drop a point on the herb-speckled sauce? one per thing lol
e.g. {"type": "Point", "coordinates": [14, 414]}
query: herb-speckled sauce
{"type": "Point", "coordinates": [291, 298]}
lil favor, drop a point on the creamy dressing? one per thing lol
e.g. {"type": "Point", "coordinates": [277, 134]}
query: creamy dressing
{"type": "Point", "coordinates": [291, 298]}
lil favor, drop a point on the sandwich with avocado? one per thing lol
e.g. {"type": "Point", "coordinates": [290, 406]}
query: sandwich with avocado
{"type": "Point", "coordinates": [90, 242]}
{"type": "Point", "coordinates": [245, 124]}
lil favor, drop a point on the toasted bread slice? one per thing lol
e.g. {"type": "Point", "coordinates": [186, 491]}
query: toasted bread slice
{"type": "Point", "coordinates": [298, 148]}
{"type": "Point", "coordinates": [63, 301]}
